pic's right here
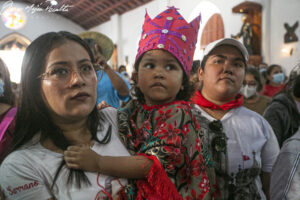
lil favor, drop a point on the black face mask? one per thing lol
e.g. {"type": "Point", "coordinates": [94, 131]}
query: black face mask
{"type": "Point", "coordinates": [296, 88]}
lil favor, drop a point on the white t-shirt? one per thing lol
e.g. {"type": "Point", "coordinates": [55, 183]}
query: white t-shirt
{"type": "Point", "coordinates": [249, 136]}
{"type": "Point", "coordinates": [28, 173]}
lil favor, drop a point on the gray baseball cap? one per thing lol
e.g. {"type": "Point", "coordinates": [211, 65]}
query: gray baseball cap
{"type": "Point", "coordinates": [225, 41]}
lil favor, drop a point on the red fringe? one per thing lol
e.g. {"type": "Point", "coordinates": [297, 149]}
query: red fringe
{"type": "Point", "coordinates": [157, 185]}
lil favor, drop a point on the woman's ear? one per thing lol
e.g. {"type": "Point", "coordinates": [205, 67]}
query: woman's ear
{"type": "Point", "coordinates": [200, 73]}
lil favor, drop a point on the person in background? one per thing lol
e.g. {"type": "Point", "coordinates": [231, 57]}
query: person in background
{"type": "Point", "coordinates": [112, 88]}
{"type": "Point", "coordinates": [7, 111]}
{"type": "Point", "coordinates": [262, 67]}
{"type": "Point", "coordinates": [159, 127]}
{"type": "Point", "coordinates": [285, 177]}
{"type": "Point", "coordinates": [194, 75]}
{"type": "Point", "coordinates": [15, 89]}
{"type": "Point", "coordinates": [122, 70]}
{"type": "Point", "coordinates": [57, 109]}
{"type": "Point", "coordinates": [275, 80]}
{"type": "Point", "coordinates": [251, 86]}
{"type": "Point", "coordinates": [283, 111]}
{"type": "Point", "coordinates": [243, 145]}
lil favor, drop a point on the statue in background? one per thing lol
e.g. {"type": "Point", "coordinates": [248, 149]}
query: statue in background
{"type": "Point", "coordinates": [247, 34]}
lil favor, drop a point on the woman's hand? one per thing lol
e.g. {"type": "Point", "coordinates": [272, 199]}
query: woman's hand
{"type": "Point", "coordinates": [82, 157]}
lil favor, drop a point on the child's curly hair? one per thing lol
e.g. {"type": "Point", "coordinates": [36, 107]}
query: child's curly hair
{"type": "Point", "coordinates": [185, 94]}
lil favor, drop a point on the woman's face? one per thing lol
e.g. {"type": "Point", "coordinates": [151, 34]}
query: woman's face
{"type": "Point", "coordinates": [250, 80]}
{"type": "Point", "coordinates": [69, 82]}
{"type": "Point", "coordinates": [275, 70]}
{"type": "Point", "coordinates": [223, 73]}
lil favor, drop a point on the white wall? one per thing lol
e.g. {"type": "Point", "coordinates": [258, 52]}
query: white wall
{"type": "Point", "coordinates": [274, 14]}
{"type": "Point", "coordinates": [286, 11]}
{"type": "Point", "coordinates": [39, 23]}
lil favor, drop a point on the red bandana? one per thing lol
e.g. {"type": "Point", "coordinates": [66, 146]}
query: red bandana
{"type": "Point", "coordinates": [202, 102]}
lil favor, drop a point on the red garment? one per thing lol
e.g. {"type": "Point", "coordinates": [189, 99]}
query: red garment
{"type": "Point", "coordinates": [270, 90]}
{"type": "Point", "coordinates": [6, 141]}
{"type": "Point", "coordinates": [158, 185]}
{"type": "Point", "coordinates": [201, 101]}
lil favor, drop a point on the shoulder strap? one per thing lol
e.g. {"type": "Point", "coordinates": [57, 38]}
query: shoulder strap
{"type": "Point", "coordinates": [7, 120]}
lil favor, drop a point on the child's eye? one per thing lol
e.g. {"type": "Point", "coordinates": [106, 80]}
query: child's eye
{"type": "Point", "coordinates": [149, 66]}
{"type": "Point", "coordinates": [170, 67]}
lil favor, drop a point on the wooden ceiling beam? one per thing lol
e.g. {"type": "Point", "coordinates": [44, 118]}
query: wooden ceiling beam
{"type": "Point", "coordinates": [113, 7]}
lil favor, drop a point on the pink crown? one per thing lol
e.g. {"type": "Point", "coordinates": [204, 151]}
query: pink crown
{"type": "Point", "coordinates": [169, 31]}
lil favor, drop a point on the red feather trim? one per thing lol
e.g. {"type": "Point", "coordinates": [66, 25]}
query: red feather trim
{"type": "Point", "coordinates": [157, 185]}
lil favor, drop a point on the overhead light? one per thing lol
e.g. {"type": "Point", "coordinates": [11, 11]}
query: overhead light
{"type": "Point", "coordinates": [52, 2]}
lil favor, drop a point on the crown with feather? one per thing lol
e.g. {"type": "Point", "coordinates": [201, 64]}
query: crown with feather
{"type": "Point", "coordinates": [170, 31]}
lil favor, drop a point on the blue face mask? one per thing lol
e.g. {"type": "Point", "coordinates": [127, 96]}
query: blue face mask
{"type": "Point", "coordinates": [261, 70]}
{"type": "Point", "coordinates": [1, 87]}
{"type": "Point", "coordinates": [278, 78]}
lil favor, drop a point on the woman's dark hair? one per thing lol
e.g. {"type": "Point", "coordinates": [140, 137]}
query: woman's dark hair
{"type": "Point", "coordinates": [195, 67]}
{"type": "Point", "coordinates": [269, 71]}
{"type": "Point", "coordinates": [255, 73]}
{"type": "Point", "coordinates": [33, 115]}
{"type": "Point", "coordinates": [8, 95]}
{"type": "Point", "coordinates": [185, 94]}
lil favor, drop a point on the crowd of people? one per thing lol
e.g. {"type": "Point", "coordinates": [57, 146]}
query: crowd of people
{"type": "Point", "coordinates": [213, 128]}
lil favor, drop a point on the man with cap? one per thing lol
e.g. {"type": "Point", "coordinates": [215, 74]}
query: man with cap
{"type": "Point", "coordinates": [242, 143]}
{"type": "Point", "coordinates": [111, 88]}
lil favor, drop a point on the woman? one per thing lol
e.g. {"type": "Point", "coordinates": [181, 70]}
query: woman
{"type": "Point", "coordinates": [251, 86]}
{"type": "Point", "coordinates": [7, 111]}
{"type": "Point", "coordinates": [275, 80]}
{"type": "Point", "coordinates": [243, 145]}
{"type": "Point", "coordinates": [283, 113]}
{"type": "Point", "coordinates": [58, 108]}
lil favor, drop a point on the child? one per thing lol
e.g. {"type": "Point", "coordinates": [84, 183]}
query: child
{"type": "Point", "coordinates": [158, 127]}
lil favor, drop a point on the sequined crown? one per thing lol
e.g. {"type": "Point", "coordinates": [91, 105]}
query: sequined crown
{"type": "Point", "coordinates": [169, 31]}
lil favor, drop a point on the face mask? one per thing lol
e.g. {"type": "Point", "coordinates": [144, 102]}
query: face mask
{"type": "Point", "coordinates": [248, 91]}
{"type": "Point", "coordinates": [261, 70]}
{"type": "Point", "coordinates": [1, 87]}
{"type": "Point", "coordinates": [278, 78]}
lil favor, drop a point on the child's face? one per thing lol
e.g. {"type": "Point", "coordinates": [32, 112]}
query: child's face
{"type": "Point", "coordinates": [159, 77]}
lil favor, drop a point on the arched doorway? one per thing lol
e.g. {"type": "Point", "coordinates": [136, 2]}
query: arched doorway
{"type": "Point", "coordinates": [211, 27]}
{"type": "Point", "coordinates": [12, 49]}
{"type": "Point", "coordinates": [213, 30]}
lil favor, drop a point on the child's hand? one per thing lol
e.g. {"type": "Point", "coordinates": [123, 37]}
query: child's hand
{"type": "Point", "coordinates": [82, 157]}
{"type": "Point", "coordinates": [102, 105]}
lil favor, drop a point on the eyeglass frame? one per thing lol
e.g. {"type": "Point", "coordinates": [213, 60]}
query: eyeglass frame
{"type": "Point", "coordinates": [96, 67]}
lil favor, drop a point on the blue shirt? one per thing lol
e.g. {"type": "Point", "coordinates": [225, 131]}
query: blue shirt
{"type": "Point", "coordinates": [107, 92]}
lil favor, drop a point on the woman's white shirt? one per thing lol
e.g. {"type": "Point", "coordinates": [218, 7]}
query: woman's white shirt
{"type": "Point", "coordinates": [28, 172]}
{"type": "Point", "coordinates": [249, 138]}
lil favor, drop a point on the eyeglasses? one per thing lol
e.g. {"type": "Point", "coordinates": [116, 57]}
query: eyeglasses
{"type": "Point", "coordinates": [64, 73]}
